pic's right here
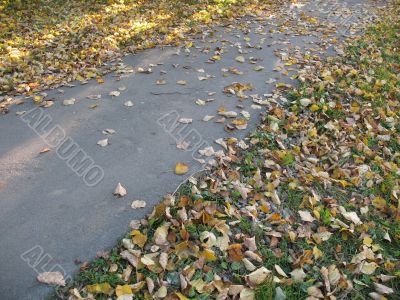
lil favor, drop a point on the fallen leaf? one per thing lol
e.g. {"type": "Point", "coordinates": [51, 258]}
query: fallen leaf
{"type": "Point", "coordinates": [208, 118]}
{"type": "Point", "coordinates": [120, 191]}
{"type": "Point", "coordinates": [279, 294]}
{"type": "Point", "coordinates": [200, 102]}
{"type": "Point", "coordinates": [123, 290]}
{"type": "Point", "coordinates": [44, 150]}
{"type": "Point", "coordinates": [185, 120]}
{"type": "Point", "coordinates": [103, 142]}
{"type": "Point", "coordinates": [240, 59]}
{"type": "Point", "coordinates": [305, 101]}
{"type": "Point", "coordinates": [99, 288]}
{"type": "Point", "coordinates": [183, 145]}
{"type": "Point", "coordinates": [138, 204]}
{"type": "Point", "coordinates": [258, 276]}
{"type": "Point", "coordinates": [161, 82]}
{"type": "Point", "coordinates": [228, 114]}
{"type": "Point", "coordinates": [314, 291]}
{"type": "Point", "coordinates": [247, 294]}
{"type": "Point", "coordinates": [54, 278]}
{"type": "Point", "coordinates": [280, 271]}
{"type": "Point", "coordinates": [298, 275]}
{"type": "Point", "coordinates": [114, 93]}
{"type": "Point", "coordinates": [181, 168]}
{"type": "Point", "coordinates": [383, 289]}
{"type": "Point", "coordinates": [160, 235]}
{"type": "Point", "coordinates": [93, 97]}
{"type": "Point", "coordinates": [69, 102]}
{"type": "Point", "coordinates": [128, 103]}
{"type": "Point", "coordinates": [306, 216]}
{"type": "Point", "coordinates": [368, 268]}
{"type": "Point", "coordinates": [138, 238]}
{"type": "Point", "coordinates": [351, 216]}
{"type": "Point", "coordinates": [163, 260]}
{"type": "Point", "coordinates": [108, 131]}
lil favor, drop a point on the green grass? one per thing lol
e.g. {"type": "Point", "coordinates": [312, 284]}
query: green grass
{"type": "Point", "coordinates": [266, 290]}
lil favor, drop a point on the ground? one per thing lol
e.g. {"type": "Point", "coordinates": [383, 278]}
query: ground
{"type": "Point", "coordinates": [298, 203]}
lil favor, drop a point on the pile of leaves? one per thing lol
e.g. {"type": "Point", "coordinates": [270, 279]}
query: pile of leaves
{"type": "Point", "coordinates": [308, 208]}
{"type": "Point", "coordinates": [47, 43]}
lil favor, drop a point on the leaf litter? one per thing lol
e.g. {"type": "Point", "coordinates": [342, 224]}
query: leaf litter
{"type": "Point", "coordinates": [287, 209]}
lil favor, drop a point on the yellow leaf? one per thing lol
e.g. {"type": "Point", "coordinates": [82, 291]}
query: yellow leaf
{"type": "Point", "coordinates": [216, 57]}
{"type": "Point", "coordinates": [181, 168]}
{"type": "Point", "coordinates": [90, 75]}
{"type": "Point", "coordinates": [379, 202]}
{"type": "Point", "coordinates": [123, 290]}
{"type": "Point", "coordinates": [355, 107]}
{"type": "Point", "coordinates": [198, 284]}
{"type": "Point", "coordinates": [138, 238]}
{"type": "Point", "coordinates": [209, 255]}
{"type": "Point", "coordinates": [314, 107]}
{"type": "Point", "coordinates": [317, 253]}
{"type": "Point", "coordinates": [367, 241]}
{"type": "Point", "coordinates": [312, 132]}
{"type": "Point", "coordinates": [103, 288]}
{"type": "Point", "coordinates": [37, 99]}
{"type": "Point", "coordinates": [181, 297]}
{"type": "Point", "coordinates": [344, 183]}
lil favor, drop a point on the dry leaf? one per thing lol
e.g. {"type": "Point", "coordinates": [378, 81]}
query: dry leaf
{"type": "Point", "coordinates": [280, 271]}
{"type": "Point", "coordinates": [161, 82]}
{"type": "Point", "coordinates": [181, 168]}
{"type": "Point", "coordinates": [368, 267]}
{"type": "Point", "coordinates": [247, 294]}
{"type": "Point", "coordinates": [160, 235]}
{"type": "Point", "coordinates": [45, 150]}
{"type": "Point", "coordinates": [120, 191]}
{"type": "Point", "coordinates": [138, 204]}
{"type": "Point", "coordinates": [108, 131]}
{"type": "Point", "coordinates": [54, 278]}
{"type": "Point", "coordinates": [128, 103]}
{"type": "Point", "coordinates": [258, 276]}
{"type": "Point", "coordinates": [383, 289]}
{"type": "Point", "coordinates": [163, 260]}
{"type": "Point", "coordinates": [315, 292]}
{"type": "Point", "coordinates": [103, 142]}
{"type": "Point", "coordinates": [208, 118]}
{"type": "Point", "coordinates": [228, 114]}
{"type": "Point", "coordinates": [114, 93]}
{"type": "Point", "coordinates": [298, 275]}
{"type": "Point", "coordinates": [306, 216]}
{"type": "Point", "coordinates": [161, 293]}
{"type": "Point", "coordinates": [185, 120]}
{"type": "Point", "coordinates": [69, 102]}
{"type": "Point", "coordinates": [240, 59]}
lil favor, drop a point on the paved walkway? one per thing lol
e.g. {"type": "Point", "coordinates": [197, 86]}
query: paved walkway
{"type": "Point", "coordinates": [55, 211]}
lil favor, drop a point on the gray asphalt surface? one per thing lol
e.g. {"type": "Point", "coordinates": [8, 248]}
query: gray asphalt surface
{"type": "Point", "coordinates": [49, 217]}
